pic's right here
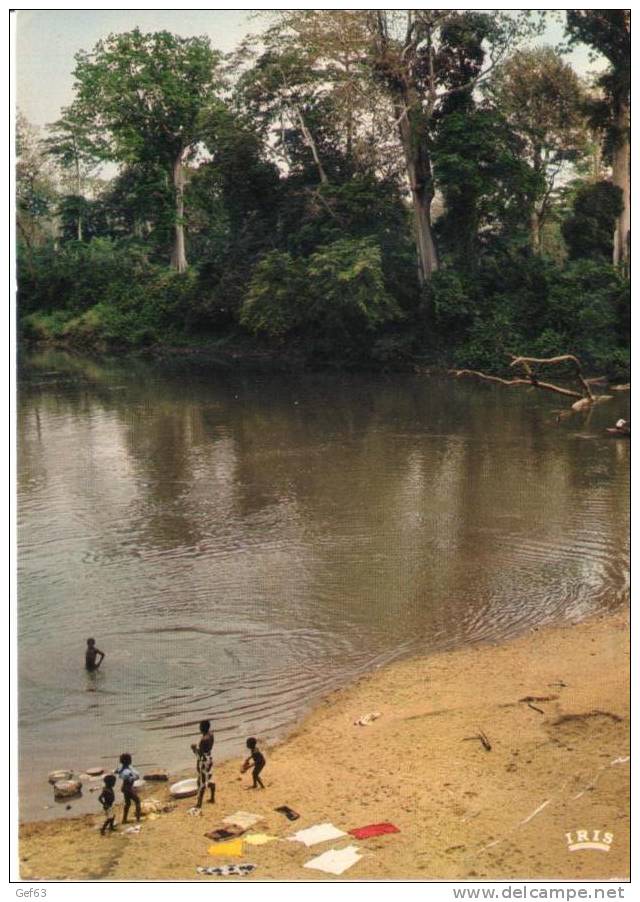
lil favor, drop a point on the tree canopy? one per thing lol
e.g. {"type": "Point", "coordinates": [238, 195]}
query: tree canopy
{"type": "Point", "coordinates": [608, 31]}
{"type": "Point", "coordinates": [146, 99]}
{"type": "Point", "coordinates": [356, 187]}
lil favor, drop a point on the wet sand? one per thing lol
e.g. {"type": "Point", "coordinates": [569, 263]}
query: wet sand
{"type": "Point", "coordinates": [557, 764]}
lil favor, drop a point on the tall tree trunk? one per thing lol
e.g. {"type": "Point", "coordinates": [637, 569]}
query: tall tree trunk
{"type": "Point", "coordinates": [535, 226]}
{"type": "Point", "coordinates": [311, 144]}
{"type": "Point", "coordinates": [622, 178]}
{"type": "Point", "coordinates": [78, 187]}
{"type": "Point", "coordinates": [537, 203]}
{"type": "Point", "coordinates": [178, 254]}
{"type": "Point", "coordinates": [418, 166]}
{"type": "Point", "coordinates": [349, 147]}
{"type": "Point", "coordinates": [412, 122]}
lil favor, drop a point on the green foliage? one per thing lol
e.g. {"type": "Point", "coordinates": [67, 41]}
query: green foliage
{"type": "Point", "coordinates": [233, 204]}
{"type": "Point", "coordinates": [492, 337]}
{"type": "Point", "coordinates": [486, 183]}
{"type": "Point", "coordinates": [450, 301]}
{"type": "Point", "coordinates": [547, 309]}
{"type": "Point", "coordinates": [35, 186]}
{"type": "Point", "coordinates": [101, 293]}
{"type": "Point", "coordinates": [45, 327]}
{"type": "Point", "coordinates": [348, 288]}
{"type": "Point", "coordinates": [79, 218]}
{"type": "Point", "coordinates": [607, 31]}
{"type": "Point", "coordinates": [74, 278]}
{"type": "Point", "coordinates": [541, 97]}
{"type": "Point", "coordinates": [588, 231]}
{"type": "Point", "coordinates": [276, 298]}
{"type": "Point", "coordinates": [335, 293]}
{"type": "Point", "coordinates": [146, 95]}
{"type": "Point", "coordinates": [71, 144]}
{"type": "Point", "coordinates": [586, 307]}
{"type": "Point", "coordinates": [139, 203]}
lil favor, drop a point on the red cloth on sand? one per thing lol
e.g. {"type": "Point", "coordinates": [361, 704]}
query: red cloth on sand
{"type": "Point", "coordinates": [373, 830]}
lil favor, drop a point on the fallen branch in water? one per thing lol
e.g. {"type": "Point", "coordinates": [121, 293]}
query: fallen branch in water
{"type": "Point", "coordinates": [584, 398]}
{"type": "Point", "coordinates": [519, 381]}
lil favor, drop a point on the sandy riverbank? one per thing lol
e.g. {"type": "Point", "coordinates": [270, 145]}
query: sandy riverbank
{"type": "Point", "coordinates": [463, 812]}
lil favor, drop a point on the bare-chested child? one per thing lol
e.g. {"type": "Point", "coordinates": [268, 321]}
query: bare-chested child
{"type": "Point", "coordinates": [257, 759]}
{"type": "Point", "coordinates": [91, 654]}
{"type": "Point", "coordinates": [106, 798]}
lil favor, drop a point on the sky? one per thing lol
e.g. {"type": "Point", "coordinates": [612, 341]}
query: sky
{"type": "Point", "coordinates": [47, 40]}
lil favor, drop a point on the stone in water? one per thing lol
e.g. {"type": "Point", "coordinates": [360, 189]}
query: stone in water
{"type": "Point", "coordinates": [56, 775]}
{"type": "Point", "coordinates": [156, 776]}
{"type": "Point", "coordinates": [66, 789]}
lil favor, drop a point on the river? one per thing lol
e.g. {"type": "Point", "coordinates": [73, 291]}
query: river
{"type": "Point", "coordinates": [239, 543]}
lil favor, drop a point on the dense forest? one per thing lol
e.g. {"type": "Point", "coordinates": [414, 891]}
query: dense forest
{"type": "Point", "coordinates": [353, 188]}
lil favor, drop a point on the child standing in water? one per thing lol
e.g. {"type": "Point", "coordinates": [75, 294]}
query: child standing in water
{"type": "Point", "coordinates": [91, 654]}
{"type": "Point", "coordinates": [205, 763]}
{"type": "Point", "coordinates": [258, 760]}
{"type": "Point", "coordinates": [106, 798]}
{"type": "Point", "coordinates": [128, 775]}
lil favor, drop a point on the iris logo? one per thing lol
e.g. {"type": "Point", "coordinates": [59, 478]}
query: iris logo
{"type": "Point", "coordinates": [597, 840]}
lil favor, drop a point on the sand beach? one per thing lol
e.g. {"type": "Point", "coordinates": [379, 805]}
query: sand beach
{"type": "Point", "coordinates": [553, 705]}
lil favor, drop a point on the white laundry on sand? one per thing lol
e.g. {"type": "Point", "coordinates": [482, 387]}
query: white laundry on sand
{"type": "Point", "coordinates": [335, 861]}
{"type": "Point", "coordinates": [316, 834]}
{"type": "Point", "coordinates": [243, 819]}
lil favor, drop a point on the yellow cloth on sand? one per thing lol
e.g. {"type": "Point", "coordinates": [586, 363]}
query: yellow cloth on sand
{"type": "Point", "coordinates": [258, 839]}
{"type": "Point", "coordinates": [231, 848]}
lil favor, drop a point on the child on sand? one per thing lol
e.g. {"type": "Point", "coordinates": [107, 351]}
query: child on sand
{"type": "Point", "coordinates": [205, 763]}
{"type": "Point", "coordinates": [106, 798]}
{"type": "Point", "coordinates": [258, 760]}
{"type": "Point", "coordinates": [128, 775]}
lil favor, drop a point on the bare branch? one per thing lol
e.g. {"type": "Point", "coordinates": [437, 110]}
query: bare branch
{"type": "Point", "coordinates": [458, 373]}
{"type": "Point", "coordinates": [524, 361]}
{"type": "Point", "coordinates": [531, 382]}
{"type": "Point", "coordinates": [516, 360]}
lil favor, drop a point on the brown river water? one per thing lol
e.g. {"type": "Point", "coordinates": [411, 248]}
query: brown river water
{"type": "Point", "coordinates": [240, 543]}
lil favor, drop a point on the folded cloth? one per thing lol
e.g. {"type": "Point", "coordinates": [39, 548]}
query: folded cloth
{"type": "Point", "coordinates": [289, 813]}
{"type": "Point", "coordinates": [132, 829]}
{"type": "Point", "coordinates": [228, 870]}
{"type": "Point", "coordinates": [232, 848]}
{"type": "Point", "coordinates": [335, 861]}
{"type": "Point", "coordinates": [242, 819]}
{"type": "Point", "coordinates": [224, 833]}
{"type": "Point", "coordinates": [373, 830]}
{"type": "Point", "coordinates": [316, 834]}
{"type": "Point", "coordinates": [258, 839]}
